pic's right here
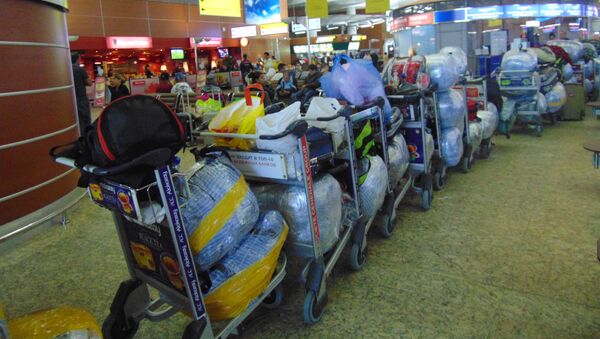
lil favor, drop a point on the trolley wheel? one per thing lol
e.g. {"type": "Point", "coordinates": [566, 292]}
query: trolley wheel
{"type": "Point", "coordinates": [426, 198]}
{"type": "Point", "coordinates": [485, 150]}
{"type": "Point", "coordinates": [581, 115]}
{"type": "Point", "coordinates": [387, 225]}
{"type": "Point", "coordinates": [313, 310]}
{"type": "Point", "coordinates": [274, 299]}
{"type": "Point", "coordinates": [357, 257]}
{"type": "Point", "coordinates": [539, 130]}
{"type": "Point", "coordinates": [118, 327]}
{"type": "Point", "coordinates": [438, 181]}
{"type": "Point", "coordinates": [466, 164]}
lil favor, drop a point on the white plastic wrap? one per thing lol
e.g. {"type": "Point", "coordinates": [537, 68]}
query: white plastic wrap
{"type": "Point", "coordinates": [489, 120]}
{"type": "Point", "coordinates": [544, 55]}
{"type": "Point", "coordinates": [451, 108]}
{"type": "Point", "coordinates": [476, 133]}
{"type": "Point", "coordinates": [398, 159]}
{"type": "Point", "coordinates": [542, 104]}
{"type": "Point", "coordinates": [276, 123]}
{"type": "Point", "coordinates": [588, 86]}
{"type": "Point", "coordinates": [573, 47]}
{"type": "Point", "coordinates": [429, 145]}
{"type": "Point", "coordinates": [452, 146]}
{"type": "Point", "coordinates": [459, 56]}
{"type": "Point", "coordinates": [215, 179]}
{"type": "Point", "coordinates": [372, 191]}
{"type": "Point", "coordinates": [508, 109]}
{"type": "Point", "coordinates": [327, 107]}
{"type": "Point", "coordinates": [519, 61]}
{"type": "Point", "coordinates": [291, 202]}
{"type": "Point", "coordinates": [567, 72]}
{"type": "Point", "coordinates": [556, 98]}
{"type": "Point", "coordinates": [443, 70]}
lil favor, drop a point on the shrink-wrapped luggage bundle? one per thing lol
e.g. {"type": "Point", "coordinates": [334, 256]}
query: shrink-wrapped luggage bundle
{"type": "Point", "coordinates": [219, 211]}
{"type": "Point", "coordinates": [451, 109]}
{"type": "Point", "coordinates": [398, 159]}
{"type": "Point", "coordinates": [372, 191]}
{"type": "Point", "coordinates": [519, 61]}
{"type": "Point", "coordinates": [459, 56]}
{"type": "Point", "coordinates": [489, 121]}
{"type": "Point", "coordinates": [573, 47]}
{"type": "Point", "coordinates": [452, 146]}
{"type": "Point", "coordinates": [443, 70]}
{"type": "Point", "coordinates": [556, 98]}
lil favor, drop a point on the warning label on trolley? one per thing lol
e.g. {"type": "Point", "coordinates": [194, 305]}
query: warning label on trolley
{"type": "Point", "coordinates": [260, 165]}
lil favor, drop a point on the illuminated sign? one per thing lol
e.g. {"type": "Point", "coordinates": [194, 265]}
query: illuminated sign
{"type": "Point", "coordinates": [220, 7]}
{"type": "Point", "coordinates": [128, 42]}
{"type": "Point", "coordinates": [359, 37]}
{"type": "Point", "coordinates": [420, 19]}
{"type": "Point", "coordinates": [206, 42]}
{"type": "Point", "coordinates": [483, 13]}
{"type": "Point", "coordinates": [262, 12]}
{"type": "Point", "coordinates": [551, 9]}
{"type": "Point", "coordinates": [322, 39]}
{"type": "Point", "coordinates": [242, 32]}
{"type": "Point", "coordinates": [572, 10]}
{"type": "Point", "coordinates": [451, 15]}
{"type": "Point", "coordinates": [274, 28]}
{"type": "Point", "coordinates": [354, 46]}
{"type": "Point", "coordinates": [519, 11]}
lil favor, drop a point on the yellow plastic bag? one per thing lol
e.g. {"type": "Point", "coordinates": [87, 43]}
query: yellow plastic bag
{"type": "Point", "coordinates": [239, 117]}
{"type": "Point", "coordinates": [232, 297]}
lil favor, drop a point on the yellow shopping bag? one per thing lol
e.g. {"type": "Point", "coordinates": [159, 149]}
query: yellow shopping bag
{"type": "Point", "coordinates": [239, 117]}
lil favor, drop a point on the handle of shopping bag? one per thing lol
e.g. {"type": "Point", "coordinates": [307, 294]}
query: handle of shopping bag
{"type": "Point", "coordinates": [249, 97]}
{"type": "Point", "coordinates": [297, 128]}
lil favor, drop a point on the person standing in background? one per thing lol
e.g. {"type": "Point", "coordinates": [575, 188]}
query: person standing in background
{"type": "Point", "coordinates": [80, 81]}
{"type": "Point", "coordinates": [117, 87]}
{"type": "Point", "coordinates": [268, 62]}
{"type": "Point", "coordinates": [164, 85]}
{"type": "Point", "coordinates": [246, 67]}
{"type": "Point", "coordinates": [148, 71]}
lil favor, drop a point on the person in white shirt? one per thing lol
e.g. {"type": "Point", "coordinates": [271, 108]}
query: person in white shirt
{"type": "Point", "coordinates": [181, 86]}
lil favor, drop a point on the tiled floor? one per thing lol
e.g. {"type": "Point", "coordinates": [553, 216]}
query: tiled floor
{"type": "Point", "coordinates": [508, 250]}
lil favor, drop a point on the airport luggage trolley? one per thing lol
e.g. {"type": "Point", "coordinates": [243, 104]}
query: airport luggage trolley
{"type": "Point", "coordinates": [574, 108]}
{"type": "Point", "coordinates": [468, 152]}
{"type": "Point", "coordinates": [343, 164]}
{"type": "Point", "coordinates": [476, 90]}
{"type": "Point", "coordinates": [526, 82]}
{"type": "Point", "coordinates": [158, 254]}
{"type": "Point", "coordinates": [419, 176]}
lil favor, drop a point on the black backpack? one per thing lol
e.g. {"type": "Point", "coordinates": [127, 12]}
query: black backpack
{"type": "Point", "coordinates": [126, 129]}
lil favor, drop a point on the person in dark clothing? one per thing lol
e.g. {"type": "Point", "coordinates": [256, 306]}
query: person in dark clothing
{"type": "Point", "coordinates": [148, 71]}
{"type": "Point", "coordinates": [246, 67]}
{"type": "Point", "coordinates": [164, 85]}
{"type": "Point", "coordinates": [311, 84]}
{"type": "Point", "coordinates": [80, 81]}
{"type": "Point", "coordinates": [117, 87]}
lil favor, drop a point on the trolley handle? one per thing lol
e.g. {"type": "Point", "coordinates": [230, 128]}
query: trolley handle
{"type": "Point", "coordinates": [345, 112]}
{"type": "Point", "coordinates": [154, 158]}
{"type": "Point", "coordinates": [379, 102]}
{"type": "Point", "coordinates": [297, 128]}
{"type": "Point", "coordinates": [477, 80]}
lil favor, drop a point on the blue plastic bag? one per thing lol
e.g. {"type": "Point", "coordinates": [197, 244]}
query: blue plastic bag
{"type": "Point", "coordinates": [357, 81]}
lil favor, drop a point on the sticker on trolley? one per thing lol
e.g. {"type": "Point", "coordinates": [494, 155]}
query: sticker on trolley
{"type": "Point", "coordinates": [115, 197]}
{"type": "Point", "coordinates": [260, 165]}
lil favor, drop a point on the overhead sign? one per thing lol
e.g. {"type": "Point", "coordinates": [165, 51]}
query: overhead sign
{"type": "Point", "coordinates": [314, 24]}
{"type": "Point", "coordinates": [206, 42]}
{"type": "Point", "coordinates": [262, 11]}
{"type": "Point", "coordinates": [243, 32]}
{"type": "Point", "coordinates": [572, 10]}
{"type": "Point", "coordinates": [420, 19]}
{"type": "Point", "coordinates": [550, 9]}
{"type": "Point", "coordinates": [128, 42]}
{"type": "Point", "coordinates": [317, 8]}
{"type": "Point", "coordinates": [377, 6]}
{"type": "Point", "coordinates": [274, 28]}
{"type": "Point", "coordinates": [328, 38]}
{"type": "Point", "coordinates": [359, 37]}
{"type": "Point", "coordinates": [483, 13]}
{"type": "Point", "coordinates": [230, 8]}
{"type": "Point", "coordinates": [494, 23]}
{"type": "Point", "coordinates": [450, 15]}
{"type": "Point", "coordinates": [519, 11]}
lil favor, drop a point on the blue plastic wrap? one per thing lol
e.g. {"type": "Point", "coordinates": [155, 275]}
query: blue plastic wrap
{"type": "Point", "coordinates": [451, 108]}
{"type": "Point", "coordinates": [291, 202]}
{"type": "Point", "coordinates": [588, 69]}
{"type": "Point", "coordinates": [519, 61]}
{"type": "Point", "coordinates": [588, 86]}
{"type": "Point", "coordinates": [398, 159]}
{"type": "Point", "coordinates": [567, 72]}
{"type": "Point", "coordinates": [357, 81]}
{"type": "Point", "coordinates": [372, 191]}
{"type": "Point", "coordinates": [476, 134]}
{"type": "Point", "coordinates": [542, 104]}
{"type": "Point", "coordinates": [208, 186]}
{"type": "Point", "coordinates": [489, 121]}
{"type": "Point", "coordinates": [429, 145]}
{"type": "Point", "coordinates": [509, 109]}
{"type": "Point", "coordinates": [556, 98]}
{"type": "Point", "coordinates": [252, 248]}
{"type": "Point", "coordinates": [459, 56]}
{"type": "Point", "coordinates": [573, 47]}
{"type": "Point", "coordinates": [443, 70]}
{"type": "Point", "coordinates": [452, 146]}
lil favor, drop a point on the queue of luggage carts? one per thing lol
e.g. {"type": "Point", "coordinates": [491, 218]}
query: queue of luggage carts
{"type": "Point", "coordinates": [210, 240]}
